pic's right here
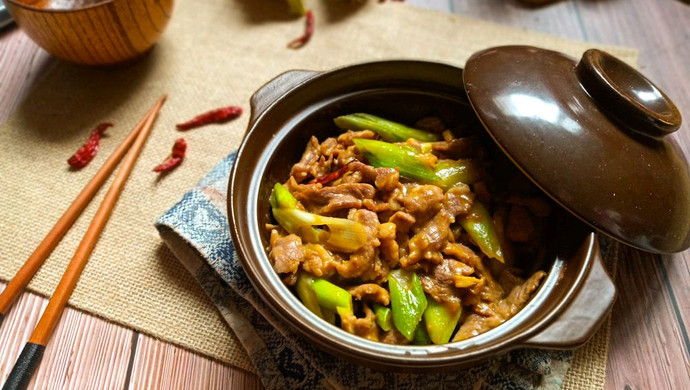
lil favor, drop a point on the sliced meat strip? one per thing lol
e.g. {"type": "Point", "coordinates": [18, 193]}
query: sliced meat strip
{"type": "Point", "coordinates": [365, 263]}
{"type": "Point", "coordinates": [439, 281]}
{"type": "Point", "coordinates": [422, 201]}
{"type": "Point", "coordinates": [328, 200]}
{"type": "Point", "coordinates": [286, 253]}
{"type": "Point", "coordinates": [490, 315]}
{"type": "Point", "coordinates": [370, 292]}
{"type": "Point", "coordinates": [312, 163]}
{"type": "Point", "coordinates": [429, 240]}
{"type": "Point", "coordinates": [385, 179]}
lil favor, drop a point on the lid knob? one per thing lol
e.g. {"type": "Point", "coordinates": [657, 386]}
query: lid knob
{"type": "Point", "coordinates": [626, 95]}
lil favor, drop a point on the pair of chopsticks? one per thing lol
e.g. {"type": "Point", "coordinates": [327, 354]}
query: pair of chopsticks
{"type": "Point", "coordinates": [28, 359]}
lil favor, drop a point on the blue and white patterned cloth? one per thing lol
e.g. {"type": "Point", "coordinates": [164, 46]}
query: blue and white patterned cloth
{"type": "Point", "coordinates": [196, 230]}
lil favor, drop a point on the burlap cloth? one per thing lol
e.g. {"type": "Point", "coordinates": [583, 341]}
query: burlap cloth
{"type": "Point", "coordinates": [214, 53]}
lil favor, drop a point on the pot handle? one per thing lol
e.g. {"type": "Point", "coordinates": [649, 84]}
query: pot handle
{"type": "Point", "coordinates": [274, 89]}
{"type": "Point", "coordinates": [585, 313]}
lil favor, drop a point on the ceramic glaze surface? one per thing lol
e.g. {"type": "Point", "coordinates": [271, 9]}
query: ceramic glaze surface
{"type": "Point", "coordinates": [615, 174]}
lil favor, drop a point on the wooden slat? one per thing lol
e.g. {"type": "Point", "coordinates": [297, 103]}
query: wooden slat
{"type": "Point", "coordinates": [21, 61]}
{"type": "Point", "coordinates": [84, 353]}
{"type": "Point", "coordinates": [16, 329]}
{"type": "Point", "coordinates": [159, 365]}
{"type": "Point", "coordinates": [558, 19]}
{"type": "Point", "coordinates": [647, 349]}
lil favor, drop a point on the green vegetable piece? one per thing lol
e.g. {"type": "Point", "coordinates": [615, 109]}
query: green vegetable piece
{"type": "Point", "coordinates": [388, 130]}
{"type": "Point", "coordinates": [306, 293]}
{"type": "Point", "coordinates": [384, 155]}
{"type": "Point", "coordinates": [480, 227]}
{"type": "Point", "coordinates": [297, 7]}
{"type": "Point", "coordinates": [384, 318]}
{"type": "Point", "coordinates": [421, 336]}
{"type": "Point", "coordinates": [281, 198]}
{"type": "Point", "coordinates": [342, 234]}
{"type": "Point", "coordinates": [452, 172]}
{"type": "Point", "coordinates": [408, 301]}
{"type": "Point", "coordinates": [409, 161]}
{"type": "Point", "coordinates": [440, 321]}
{"type": "Point", "coordinates": [332, 297]}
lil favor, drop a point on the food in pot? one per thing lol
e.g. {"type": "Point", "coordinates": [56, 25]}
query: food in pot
{"type": "Point", "coordinates": [407, 234]}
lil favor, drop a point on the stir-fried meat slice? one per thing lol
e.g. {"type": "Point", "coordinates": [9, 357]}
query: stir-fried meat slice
{"type": "Point", "coordinates": [519, 295]}
{"type": "Point", "coordinates": [347, 156]}
{"type": "Point", "coordinates": [294, 187]}
{"type": "Point", "coordinates": [364, 262]}
{"type": "Point", "coordinates": [462, 253]}
{"type": "Point", "coordinates": [509, 280]}
{"type": "Point", "coordinates": [429, 240]}
{"type": "Point", "coordinates": [364, 327]}
{"type": "Point", "coordinates": [330, 199]}
{"type": "Point", "coordinates": [370, 292]}
{"type": "Point", "coordinates": [318, 261]}
{"type": "Point", "coordinates": [489, 290]}
{"type": "Point", "coordinates": [422, 201]}
{"type": "Point", "coordinates": [439, 283]}
{"type": "Point", "coordinates": [458, 200]}
{"type": "Point", "coordinates": [385, 179]}
{"type": "Point", "coordinates": [475, 325]}
{"type": "Point", "coordinates": [286, 253]}
{"type": "Point", "coordinates": [347, 137]}
{"type": "Point", "coordinates": [389, 249]}
{"type": "Point", "coordinates": [403, 221]}
{"type": "Point", "coordinates": [494, 314]}
{"type": "Point", "coordinates": [330, 147]}
{"type": "Point", "coordinates": [376, 206]}
{"type": "Point", "coordinates": [312, 163]}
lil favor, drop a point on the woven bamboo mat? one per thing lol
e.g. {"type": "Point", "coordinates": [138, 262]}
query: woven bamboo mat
{"type": "Point", "coordinates": [214, 53]}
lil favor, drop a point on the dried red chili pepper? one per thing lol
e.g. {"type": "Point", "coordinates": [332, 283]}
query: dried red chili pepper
{"type": "Point", "coordinates": [329, 177]}
{"type": "Point", "coordinates": [175, 158]}
{"type": "Point", "coordinates": [308, 32]}
{"type": "Point", "coordinates": [218, 115]}
{"type": "Point", "coordinates": [87, 152]}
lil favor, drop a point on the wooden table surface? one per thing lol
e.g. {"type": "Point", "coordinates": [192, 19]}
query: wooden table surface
{"type": "Point", "coordinates": [650, 345]}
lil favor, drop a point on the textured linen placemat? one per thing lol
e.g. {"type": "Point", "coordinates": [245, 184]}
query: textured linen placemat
{"type": "Point", "coordinates": [214, 53]}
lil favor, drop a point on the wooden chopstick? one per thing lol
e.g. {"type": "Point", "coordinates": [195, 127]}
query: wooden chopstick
{"type": "Point", "coordinates": [33, 350]}
{"type": "Point", "coordinates": [21, 279]}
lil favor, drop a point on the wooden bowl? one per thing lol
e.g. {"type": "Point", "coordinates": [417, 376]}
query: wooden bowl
{"type": "Point", "coordinates": [93, 32]}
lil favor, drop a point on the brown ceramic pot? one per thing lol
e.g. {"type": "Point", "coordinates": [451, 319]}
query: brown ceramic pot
{"type": "Point", "coordinates": [569, 306]}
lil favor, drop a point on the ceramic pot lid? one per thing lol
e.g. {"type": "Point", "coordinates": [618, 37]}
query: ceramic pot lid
{"type": "Point", "coordinates": [590, 135]}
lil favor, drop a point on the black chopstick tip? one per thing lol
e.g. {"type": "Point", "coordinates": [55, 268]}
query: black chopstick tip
{"type": "Point", "coordinates": [24, 368]}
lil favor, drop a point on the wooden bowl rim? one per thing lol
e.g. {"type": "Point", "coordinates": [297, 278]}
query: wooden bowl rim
{"type": "Point", "coordinates": [21, 4]}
